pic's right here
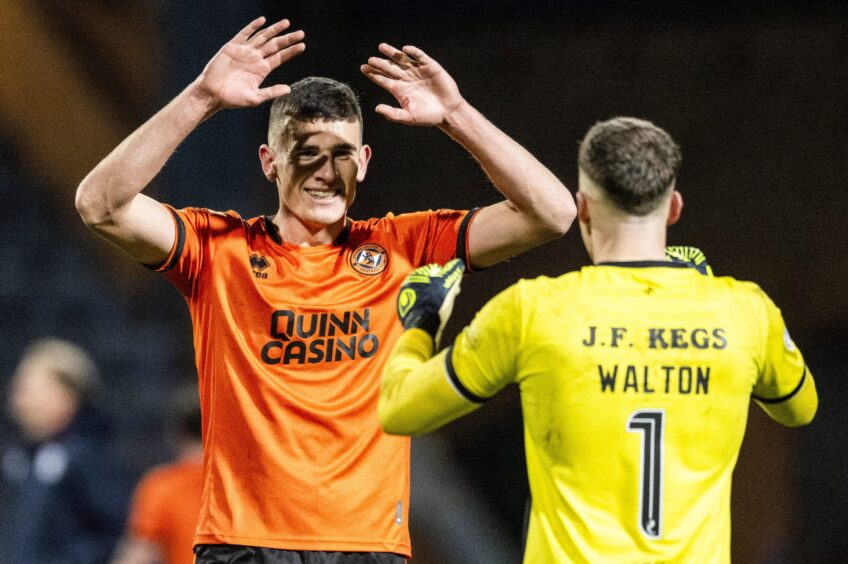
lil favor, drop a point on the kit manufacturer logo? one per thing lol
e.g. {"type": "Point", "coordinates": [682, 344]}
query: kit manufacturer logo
{"type": "Point", "coordinates": [259, 263]}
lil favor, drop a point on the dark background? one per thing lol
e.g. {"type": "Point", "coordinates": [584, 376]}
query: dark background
{"type": "Point", "coordinates": [755, 93]}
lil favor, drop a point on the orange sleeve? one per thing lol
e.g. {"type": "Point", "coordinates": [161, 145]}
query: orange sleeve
{"type": "Point", "coordinates": [435, 236]}
{"type": "Point", "coordinates": [194, 228]}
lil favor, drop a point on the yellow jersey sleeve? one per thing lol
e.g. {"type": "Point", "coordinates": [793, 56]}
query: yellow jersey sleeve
{"type": "Point", "coordinates": [415, 394]}
{"type": "Point", "coordinates": [785, 386]}
{"type": "Point", "coordinates": [484, 358]}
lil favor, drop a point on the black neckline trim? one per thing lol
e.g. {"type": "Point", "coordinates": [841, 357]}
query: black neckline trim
{"type": "Point", "coordinates": [274, 231]}
{"type": "Point", "coordinates": [645, 264]}
{"type": "Point", "coordinates": [340, 240]}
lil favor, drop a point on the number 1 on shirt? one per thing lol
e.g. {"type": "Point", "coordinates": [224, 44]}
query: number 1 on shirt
{"type": "Point", "coordinates": [650, 423]}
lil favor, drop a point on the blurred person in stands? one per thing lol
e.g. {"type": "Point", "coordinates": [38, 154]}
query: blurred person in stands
{"type": "Point", "coordinates": [635, 373]}
{"type": "Point", "coordinates": [68, 497]}
{"type": "Point", "coordinates": [165, 507]}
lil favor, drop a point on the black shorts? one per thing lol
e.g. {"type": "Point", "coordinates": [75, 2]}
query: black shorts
{"type": "Point", "coordinates": [235, 554]}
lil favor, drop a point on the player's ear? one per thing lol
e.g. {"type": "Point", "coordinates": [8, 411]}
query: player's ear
{"type": "Point", "coordinates": [582, 208]}
{"type": "Point", "coordinates": [364, 157]}
{"type": "Point", "coordinates": [266, 158]}
{"type": "Point", "coordinates": [675, 208]}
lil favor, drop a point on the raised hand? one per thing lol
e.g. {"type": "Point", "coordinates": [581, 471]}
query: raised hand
{"type": "Point", "coordinates": [233, 77]}
{"type": "Point", "coordinates": [425, 91]}
{"type": "Point", "coordinates": [426, 297]}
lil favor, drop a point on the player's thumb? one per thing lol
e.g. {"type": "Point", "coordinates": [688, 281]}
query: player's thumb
{"type": "Point", "coordinates": [452, 280]}
{"type": "Point", "coordinates": [273, 92]}
{"type": "Point", "coordinates": [397, 115]}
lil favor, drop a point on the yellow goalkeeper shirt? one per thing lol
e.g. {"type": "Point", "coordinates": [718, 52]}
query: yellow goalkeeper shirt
{"type": "Point", "coordinates": [635, 382]}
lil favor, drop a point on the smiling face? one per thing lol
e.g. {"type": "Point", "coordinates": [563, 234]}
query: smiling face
{"type": "Point", "coordinates": [316, 166]}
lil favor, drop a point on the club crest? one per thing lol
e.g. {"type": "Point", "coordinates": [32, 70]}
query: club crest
{"type": "Point", "coordinates": [369, 259]}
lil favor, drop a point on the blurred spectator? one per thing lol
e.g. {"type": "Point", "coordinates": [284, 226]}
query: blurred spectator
{"type": "Point", "coordinates": [67, 498]}
{"type": "Point", "coordinates": [166, 504]}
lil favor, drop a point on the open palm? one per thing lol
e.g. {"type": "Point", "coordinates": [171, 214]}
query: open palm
{"type": "Point", "coordinates": [234, 76]}
{"type": "Point", "coordinates": [425, 91]}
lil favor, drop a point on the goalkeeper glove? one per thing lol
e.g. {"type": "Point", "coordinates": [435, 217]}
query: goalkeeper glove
{"type": "Point", "coordinates": [692, 256]}
{"type": "Point", "coordinates": [426, 297]}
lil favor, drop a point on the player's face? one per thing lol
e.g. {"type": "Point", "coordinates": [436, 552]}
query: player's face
{"type": "Point", "coordinates": [317, 166]}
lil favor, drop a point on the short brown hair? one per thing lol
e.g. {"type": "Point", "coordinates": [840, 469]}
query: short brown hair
{"type": "Point", "coordinates": [632, 160]}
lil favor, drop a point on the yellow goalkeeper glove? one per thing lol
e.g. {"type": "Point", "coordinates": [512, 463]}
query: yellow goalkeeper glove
{"type": "Point", "coordinates": [426, 297]}
{"type": "Point", "coordinates": [692, 256]}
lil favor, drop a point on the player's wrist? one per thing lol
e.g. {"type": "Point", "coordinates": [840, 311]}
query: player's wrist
{"type": "Point", "coordinates": [418, 342]}
{"type": "Point", "coordinates": [425, 320]}
{"type": "Point", "coordinates": [201, 99]}
{"type": "Point", "coordinates": [458, 117]}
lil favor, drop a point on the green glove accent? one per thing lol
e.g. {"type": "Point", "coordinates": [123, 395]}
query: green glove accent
{"type": "Point", "coordinates": [692, 256]}
{"type": "Point", "coordinates": [426, 297]}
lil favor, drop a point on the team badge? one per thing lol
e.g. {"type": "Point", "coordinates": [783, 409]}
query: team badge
{"type": "Point", "coordinates": [369, 259]}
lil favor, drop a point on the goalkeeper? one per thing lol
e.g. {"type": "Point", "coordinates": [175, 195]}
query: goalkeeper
{"type": "Point", "coordinates": [635, 373]}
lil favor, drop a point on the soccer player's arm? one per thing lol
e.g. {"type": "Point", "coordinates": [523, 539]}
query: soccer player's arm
{"type": "Point", "coordinates": [416, 396]}
{"type": "Point", "coordinates": [538, 207]}
{"type": "Point", "coordinates": [109, 198]}
{"type": "Point", "coordinates": [785, 388]}
{"type": "Point", "coordinates": [421, 392]}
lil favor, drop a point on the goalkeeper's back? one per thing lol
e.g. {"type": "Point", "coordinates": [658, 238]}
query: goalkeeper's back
{"type": "Point", "coordinates": [635, 373]}
{"type": "Point", "coordinates": [635, 381]}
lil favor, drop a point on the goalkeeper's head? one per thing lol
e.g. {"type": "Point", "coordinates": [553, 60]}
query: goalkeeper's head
{"type": "Point", "coordinates": [628, 169]}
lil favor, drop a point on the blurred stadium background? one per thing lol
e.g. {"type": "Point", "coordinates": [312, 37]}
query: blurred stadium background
{"type": "Point", "coordinates": [755, 92]}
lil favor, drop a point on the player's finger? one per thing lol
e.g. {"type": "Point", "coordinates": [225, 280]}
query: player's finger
{"type": "Point", "coordinates": [269, 32]}
{"type": "Point", "coordinates": [397, 56]}
{"type": "Point", "coordinates": [286, 54]}
{"type": "Point", "coordinates": [248, 30]}
{"type": "Point", "coordinates": [276, 44]}
{"type": "Point", "coordinates": [386, 49]}
{"type": "Point", "coordinates": [416, 55]}
{"type": "Point", "coordinates": [397, 115]}
{"type": "Point", "coordinates": [454, 264]}
{"type": "Point", "coordinates": [386, 67]}
{"type": "Point", "coordinates": [272, 92]}
{"type": "Point", "coordinates": [377, 77]}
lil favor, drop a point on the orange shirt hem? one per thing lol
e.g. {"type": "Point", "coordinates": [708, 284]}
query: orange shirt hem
{"type": "Point", "coordinates": [320, 544]}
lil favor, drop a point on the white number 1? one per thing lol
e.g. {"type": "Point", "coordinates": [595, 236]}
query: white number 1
{"type": "Point", "coordinates": [651, 423]}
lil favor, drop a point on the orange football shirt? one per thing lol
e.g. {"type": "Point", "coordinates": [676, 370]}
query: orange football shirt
{"type": "Point", "coordinates": [165, 507]}
{"type": "Point", "coordinates": [290, 344]}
